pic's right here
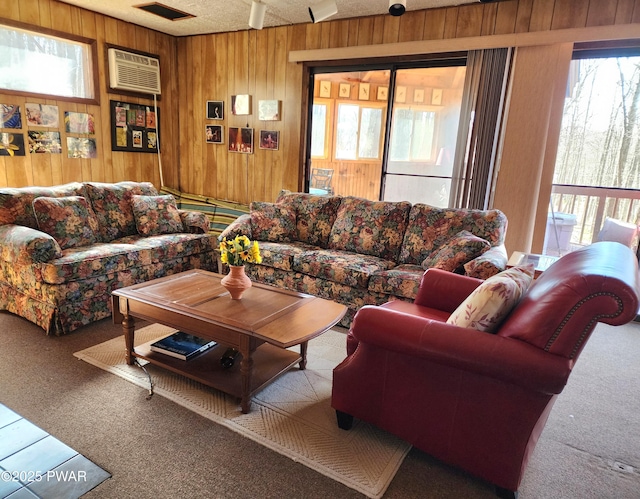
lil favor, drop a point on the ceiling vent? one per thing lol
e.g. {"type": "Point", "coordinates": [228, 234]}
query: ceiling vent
{"type": "Point", "coordinates": [133, 72]}
{"type": "Point", "coordinates": [164, 11]}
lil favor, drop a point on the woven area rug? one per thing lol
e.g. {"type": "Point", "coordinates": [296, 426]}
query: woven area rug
{"type": "Point", "coordinates": [292, 416]}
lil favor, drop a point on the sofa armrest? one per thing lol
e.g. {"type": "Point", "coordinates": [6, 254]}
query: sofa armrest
{"type": "Point", "coordinates": [489, 263]}
{"type": "Point", "coordinates": [194, 222]}
{"type": "Point", "coordinates": [241, 226]}
{"type": "Point", "coordinates": [444, 290]}
{"type": "Point", "coordinates": [24, 245]}
{"type": "Point", "coordinates": [469, 350]}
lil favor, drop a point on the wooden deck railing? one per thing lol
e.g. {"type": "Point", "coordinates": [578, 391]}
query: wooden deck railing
{"type": "Point", "coordinates": [591, 205]}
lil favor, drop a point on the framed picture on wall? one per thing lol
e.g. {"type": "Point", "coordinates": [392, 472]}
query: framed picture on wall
{"type": "Point", "coordinates": [241, 104]}
{"type": "Point", "coordinates": [134, 127]}
{"type": "Point", "coordinates": [269, 139]}
{"type": "Point", "coordinates": [215, 110]}
{"type": "Point", "coordinates": [214, 134]}
{"type": "Point", "coordinates": [241, 140]}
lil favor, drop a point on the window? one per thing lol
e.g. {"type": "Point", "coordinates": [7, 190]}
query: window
{"type": "Point", "coordinates": [27, 56]}
{"type": "Point", "coordinates": [412, 136]}
{"type": "Point", "coordinates": [358, 132]}
{"type": "Point", "coordinates": [319, 130]}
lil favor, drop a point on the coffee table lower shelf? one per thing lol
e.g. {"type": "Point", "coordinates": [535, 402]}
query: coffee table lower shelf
{"type": "Point", "coordinates": [269, 362]}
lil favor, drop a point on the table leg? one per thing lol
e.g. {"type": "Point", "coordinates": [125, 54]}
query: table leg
{"type": "Point", "coordinates": [128, 326]}
{"type": "Point", "coordinates": [246, 349]}
{"type": "Point", "coordinates": [303, 356]}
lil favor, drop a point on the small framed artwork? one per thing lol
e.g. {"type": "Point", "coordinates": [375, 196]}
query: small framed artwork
{"type": "Point", "coordinates": [134, 127]}
{"type": "Point", "coordinates": [401, 94]}
{"type": "Point", "coordinates": [215, 110]}
{"type": "Point", "coordinates": [269, 110]}
{"type": "Point", "coordinates": [436, 97]}
{"type": "Point", "coordinates": [82, 148]}
{"type": "Point", "coordinates": [44, 142]}
{"type": "Point", "coordinates": [214, 134]}
{"type": "Point", "coordinates": [345, 90]}
{"type": "Point", "coordinates": [241, 140]}
{"type": "Point", "coordinates": [42, 115]}
{"type": "Point", "coordinates": [418, 95]}
{"type": "Point", "coordinates": [79, 122]}
{"type": "Point", "coordinates": [269, 139]}
{"type": "Point", "coordinates": [12, 144]}
{"type": "Point", "coordinates": [10, 116]}
{"type": "Point", "coordinates": [241, 104]}
{"type": "Point", "coordinates": [325, 89]}
{"type": "Point", "coordinates": [363, 91]}
{"type": "Point", "coordinates": [383, 93]}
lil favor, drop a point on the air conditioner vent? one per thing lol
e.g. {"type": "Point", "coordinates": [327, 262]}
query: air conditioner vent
{"type": "Point", "coordinates": [133, 72]}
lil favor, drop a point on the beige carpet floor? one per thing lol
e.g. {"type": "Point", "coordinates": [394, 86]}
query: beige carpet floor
{"type": "Point", "coordinates": [292, 416]}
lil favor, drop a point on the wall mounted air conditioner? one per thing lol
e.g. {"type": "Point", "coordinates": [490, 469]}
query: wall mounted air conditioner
{"type": "Point", "coordinates": [133, 72]}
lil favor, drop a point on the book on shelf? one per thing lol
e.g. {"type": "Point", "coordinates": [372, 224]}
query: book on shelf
{"type": "Point", "coordinates": [182, 345]}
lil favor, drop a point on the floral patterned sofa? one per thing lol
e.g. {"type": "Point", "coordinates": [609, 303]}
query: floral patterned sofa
{"type": "Point", "coordinates": [65, 248]}
{"type": "Point", "coordinates": [359, 252]}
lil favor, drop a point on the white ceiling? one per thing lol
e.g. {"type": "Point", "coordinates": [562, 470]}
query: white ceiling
{"type": "Point", "coordinates": [216, 16]}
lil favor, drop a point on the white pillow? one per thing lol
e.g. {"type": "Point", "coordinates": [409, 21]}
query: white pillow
{"type": "Point", "coordinates": [487, 306]}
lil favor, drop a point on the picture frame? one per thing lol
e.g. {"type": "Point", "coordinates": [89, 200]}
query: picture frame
{"type": "Point", "coordinates": [214, 134]}
{"type": "Point", "coordinates": [418, 95]}
{"type": "Point", "coordinates": [215, 110]}
{"type": "Point", "coordinates": [345, 90]}
{"type": "Point", "coordinates": [12, 144]}
{"type": "Point", "coordinates": [269, 139]}
{"type": "Point", "coordinates": [241, 140]}
{"type": "Point", "coordinates": [436, 97]}
{"type": "Point", "coordinates": [79, 123]}
{"type": "Point", "coordinates": [269, 110]}
{"type": "Point", "coordinates": [383, 93]}
{"type": "Point", "coordinates": [81, 148]}
{"type": "Point", "coordinates": [363, 91]}
{"type": "Point", "coordinates": [241, 105]}
{"type": "Point", "coordinates": [325, 89]}
{"type": "Point", "coordinates": [401, 94]}
{"type": "Point", "coordinates": [44, 142]}
{"type": "Point", "coordinates": [10, 116]}
{"type": "Point", "coordinates": [42, 115]}
{"type": "Point", "coordinates": [134, 127]}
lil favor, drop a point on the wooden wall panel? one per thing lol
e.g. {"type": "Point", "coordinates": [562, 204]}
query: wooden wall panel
{"type": "Point", "coordinates": [52, 169]}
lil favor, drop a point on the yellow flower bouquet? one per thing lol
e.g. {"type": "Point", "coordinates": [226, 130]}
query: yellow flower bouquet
{"type": "Point", "coordinates": [238, 251]}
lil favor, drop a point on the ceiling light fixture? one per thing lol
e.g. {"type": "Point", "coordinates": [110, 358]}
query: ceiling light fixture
{"type": "Point", "coordinates": [256, 18]}
{"type": "Point", "coordinates": [397, 7]}
{"type": "Point", "coordinates": [323, 10]}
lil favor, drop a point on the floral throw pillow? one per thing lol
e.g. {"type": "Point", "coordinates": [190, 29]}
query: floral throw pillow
{"type": "Point", "coordinates": [460, 249]}
{"type": "Point", "coordinates": [488, 305]}
{"type": "Point", "coordinates": [69, 220]}
{"type": "Point", "coordinates": [156, 215]}
{"type": "Point", "coordinates": [272, 222]}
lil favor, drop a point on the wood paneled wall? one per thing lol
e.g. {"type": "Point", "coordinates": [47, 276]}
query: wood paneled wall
{"type": "Point", "coordinates": [214, 67]}
{"type": "Point", "coordinates": [52, 169]}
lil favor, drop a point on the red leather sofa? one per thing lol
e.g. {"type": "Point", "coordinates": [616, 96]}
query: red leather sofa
{"type": "Point", "coordinates": [476, 400]}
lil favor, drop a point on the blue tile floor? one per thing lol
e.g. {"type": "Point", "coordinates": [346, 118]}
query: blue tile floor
{"type": "Point", "coordinates": [35, 464]}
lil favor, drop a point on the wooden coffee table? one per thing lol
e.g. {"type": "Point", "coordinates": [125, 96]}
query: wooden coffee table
{"type": "Point", "coordinates": [261, 326]}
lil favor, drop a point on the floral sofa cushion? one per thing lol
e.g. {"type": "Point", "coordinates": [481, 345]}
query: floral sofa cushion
{"type": "Point", "coordinates": [69, 220]}
{"type": "Point", "coordinates": [155, 215]}
{"type": "Point", "coordinates": [315, 216]}
{"type": "Point", "coordinates": [457, 251]}
{"type": "Point", "coordinates": [281, 255]}
{"type": "Point", "coordinates": [339, 266]}
{"type": "Point", "coordinates": [370, 227]}
{"type": "Point", "coordinates": [403, 280]}
{"type": "Point", "coordinates": [429, 228]}
{"type": "Point", "coordinates": [272, 222]}
{"type": "Point", "coordinates": [16, 203]}
{"type": "Point", "coordinates": [112, 205]}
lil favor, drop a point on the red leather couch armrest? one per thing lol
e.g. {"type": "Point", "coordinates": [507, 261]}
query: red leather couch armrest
{"type": "Point", "coordinates": [505, 359]}
{"type": "Point", "coordinates": [444, 290]}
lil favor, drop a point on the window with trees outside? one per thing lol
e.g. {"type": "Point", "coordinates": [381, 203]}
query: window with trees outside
{"type": "Point", "coordinates": [597, 171]}
{"type": "Point", "coordinates": [358, 132]}
{"type": "Point", "coordinates": [37, 63]}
